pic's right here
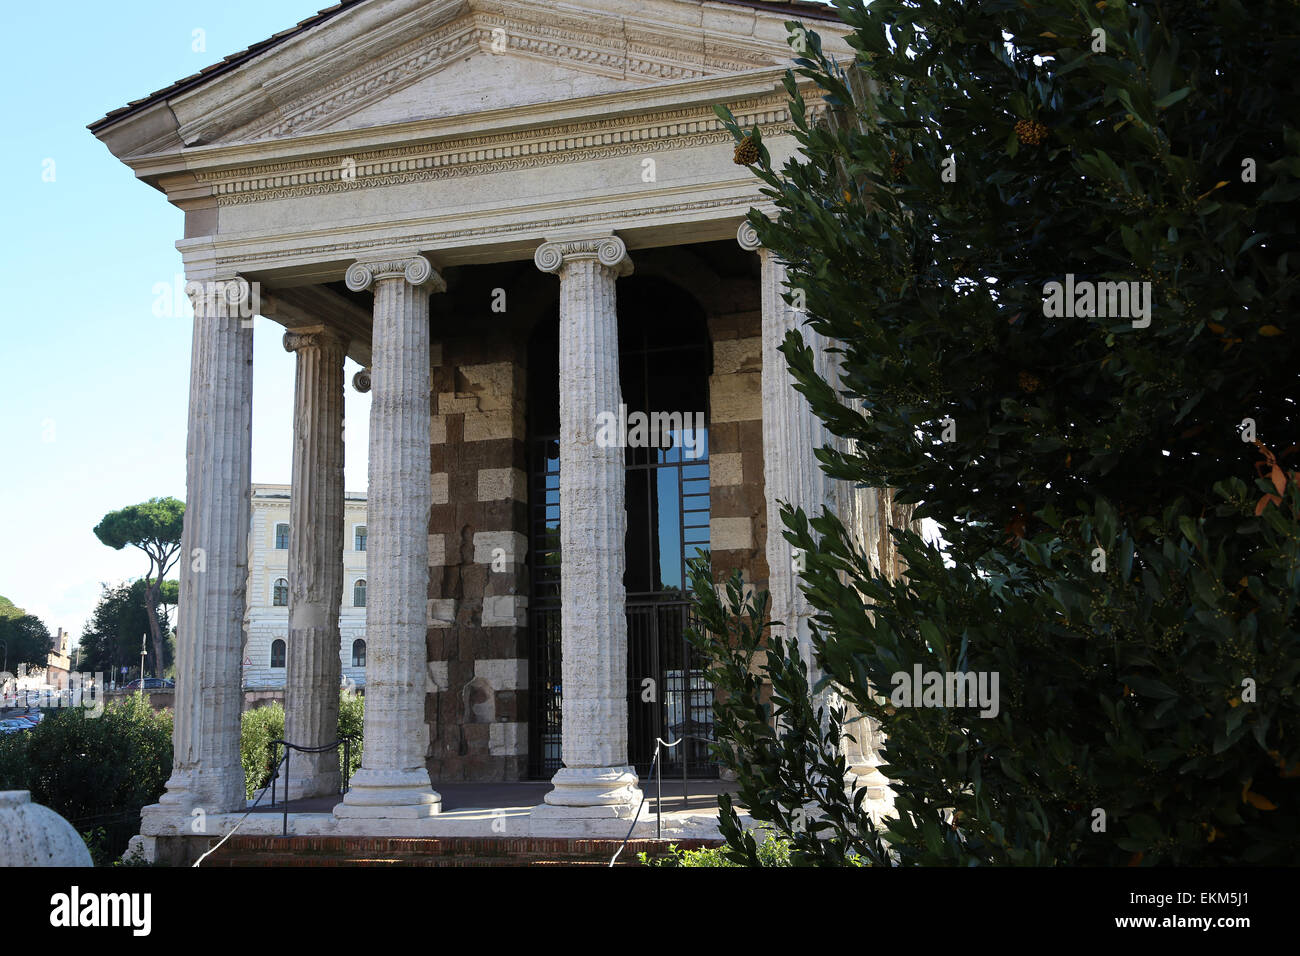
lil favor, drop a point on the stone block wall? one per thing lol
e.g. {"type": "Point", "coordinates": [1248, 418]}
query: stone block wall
{"type": "Point", "coordinates": [478, 669]}
{"type": "Point", "coordinates": [738, 518]}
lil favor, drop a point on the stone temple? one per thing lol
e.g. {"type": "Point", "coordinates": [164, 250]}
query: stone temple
{"type": "Point", "coordinates": [524, 220]}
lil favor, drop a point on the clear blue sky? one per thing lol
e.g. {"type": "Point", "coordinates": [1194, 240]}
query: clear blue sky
{"type": "Point", "coordinates": [93, 392]}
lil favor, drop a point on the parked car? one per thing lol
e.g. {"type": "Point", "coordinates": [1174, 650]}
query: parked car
{"type": "Point", "coordinates": [151, 683]}
{"type": "Point", "coordinates": [12, 726]}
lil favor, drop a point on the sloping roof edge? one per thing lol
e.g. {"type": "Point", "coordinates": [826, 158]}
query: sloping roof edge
{"type": "Point", "coordinates": [794, 8]}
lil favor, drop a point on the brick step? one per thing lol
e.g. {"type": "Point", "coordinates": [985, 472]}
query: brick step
{"type": "Point", "coordinates": [408, 851]}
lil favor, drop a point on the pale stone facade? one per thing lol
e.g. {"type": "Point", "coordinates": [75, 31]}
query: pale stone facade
{"type": "Point", "coordinates": [484, 203]}
{"type": "Point", "coordinates": [267, 622]}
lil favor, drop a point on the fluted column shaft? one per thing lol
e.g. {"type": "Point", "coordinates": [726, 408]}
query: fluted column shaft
{"type": "Point", "coordinates": [311, 698]}
{"type": "Point", "coordinates": [593, 526]}
{"type": "Point", "coordinates": [206, 769]}
{"type": "Point", "coordinates": [393, 779]}
{"type": "Point", "coordinates": [791, 433]}
{"type": "Point", "coordinates": [792, 474]}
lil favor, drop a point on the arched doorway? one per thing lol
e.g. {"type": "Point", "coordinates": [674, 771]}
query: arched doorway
{"type": "Point", "coordinates": [664, 366]}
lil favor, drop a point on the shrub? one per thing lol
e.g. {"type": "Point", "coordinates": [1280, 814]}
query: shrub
{"type": "Point", "coordinates": [257, 728]}
{"type": "Point", "coordinates": [352, 713]}
{"type": "Point", "coordinates": [97, 772]}
{"type": "Point", "coordinates": [1113, 487]}
{"type": "Point", "coordinates": [774, 851]}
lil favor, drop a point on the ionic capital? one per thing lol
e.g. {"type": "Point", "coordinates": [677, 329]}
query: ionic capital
{"type": "Point", "coordinates": [610, 252]}
{"type": "Point", "coordinates": [361, 380]}
{"type": "Point", "coordinates": [320, 337]}
{"type": "Point", "coordinates": [218, 298]}
{"type": "Point", "coordinates": [416, 270]}
{"type": "Point", "coordinates": [747, 236]}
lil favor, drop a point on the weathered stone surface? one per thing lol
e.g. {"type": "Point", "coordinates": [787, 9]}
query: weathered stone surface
{"type": "Point", "coordinates": [497, 483]}
{"type": "Point", "coordinates": [792, 473]}
{"type": "Point", "coordinates": [437, 550]}
{"type": "Point", "coordinates": [738, 355]}
{"type": "Point", "coordinates": [593, 525]}
{"type": "Point", "coordinates": [439, 488]}
{"type": "Point", "coordinates": [504, 673]}
{"type": "Point", "coordinates": [206, 769]}
{"type": "Point", "coordinates": [736, 397]}
{"type": "Point", "coordinates": [311, 698]}
{"type": "Point", "coordinates": [726, 469]}
{"type": "Point", "coordinates": [393, 779]}
{"type": "Point", "coordinates": [495, 546]}
{"type": "Point", "coordinates": [33, 835]}
{"type": "Point", "coordinates": [441, 612]}
{"type": "Point", "coordinates": [507, 610]}
{"type": "Point", "coordinates": [731, 534]}
{"type": "Point", "coordinates": [508, 737]}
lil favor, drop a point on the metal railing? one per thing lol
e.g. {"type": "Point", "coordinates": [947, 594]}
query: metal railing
{"type": "Point", "coordinates": [656, 768]}
{"type": "Point", "coordinates": [345, 742]}
{"type": "Point", "coordinates": [213, 849]}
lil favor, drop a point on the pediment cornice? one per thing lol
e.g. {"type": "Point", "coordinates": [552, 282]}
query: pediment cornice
{"type": "Point", "coordinates": [371, 64]}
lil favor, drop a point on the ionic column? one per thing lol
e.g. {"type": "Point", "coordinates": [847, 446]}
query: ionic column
{"type": "Point", "coordinates": [311, 693]}
{"type": "Point", "coordinates": [206, 769]}
{"type": "Point", "coordinates": [792, 474]}
{"type": "Point", "coordinates": [393, 780]}
{"type": "Point", "coordinates": [791, 432]}
{"type": "Point", "coordinates": [596, 780]}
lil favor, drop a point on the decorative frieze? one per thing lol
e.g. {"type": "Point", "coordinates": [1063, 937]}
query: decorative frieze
{"type": "Point", "coordinates": [489, 153]}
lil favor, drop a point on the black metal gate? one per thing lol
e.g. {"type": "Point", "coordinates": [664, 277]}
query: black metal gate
{"type": "Point", "coordinates": [668, 694]}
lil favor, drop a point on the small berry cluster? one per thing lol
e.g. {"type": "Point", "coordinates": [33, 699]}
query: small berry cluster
{"type": "Point", "coordinates": [746, 152]}
{"type": "Point", "coordinates": [896, 165]}
{"type": "Point", "coordinates": [1030, 132]}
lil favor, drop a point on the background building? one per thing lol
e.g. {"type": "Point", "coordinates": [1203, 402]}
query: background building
{"type": "Point", "coordinates": [266, 625]}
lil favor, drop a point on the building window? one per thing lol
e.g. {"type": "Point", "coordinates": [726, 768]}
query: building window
{"type": "Point", "coordinates": [282, 536]}
{"type": "Point", "coordinates": [359, 539]}
{"type": "Point", "coordinates": [277, 653]}
{"type": "Point", "coordinates": [359, 593]}
{"type": "Point", "coordinates": [358, 653]}
{"type": "Point", "coordinates": [280, 594]}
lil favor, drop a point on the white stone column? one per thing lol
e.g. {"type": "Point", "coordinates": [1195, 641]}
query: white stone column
{"type": "Point", "coordinates": [596, 780]}
{"type": "Point", "coordinates": [311, 692]}
{"type": "Point", "coordinates": [792, 474]}
{"type": "Point", "coordinates": [394, 780]}
{"type": "Point", "coordinates": [791, 432]}
{"type": "Point", "coordinates": [206, 769]}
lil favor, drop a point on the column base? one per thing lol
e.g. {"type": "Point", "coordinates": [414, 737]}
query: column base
{"type": "Point", "coordinates": [595, 789]}
{"type": "Point", "coordinates": [591, 802]}
{"type": "Point", "coordinates": [322, 785]}
{"type": "Point", "coordinates": [393, 794]}
{"type": "Point", "coordinates": [868, 777]}
{"type": "Point", "coordinates": [213, 791]}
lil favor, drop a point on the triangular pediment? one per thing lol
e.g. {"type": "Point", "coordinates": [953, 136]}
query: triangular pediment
{"type": "Point", "coordinates": [385, 62]}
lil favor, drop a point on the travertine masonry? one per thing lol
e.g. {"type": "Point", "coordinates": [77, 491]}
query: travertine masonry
{"type": "Point", "coordinates": [206, 768]}
{"type": "Point", "coordinates": [393, 779]}
{"type": "Point", "coordinates": [478, 588]}
{"type": "Point", "coordinates": [593, 525]}
{"type": "Point", "coordinates": [311, 697]}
